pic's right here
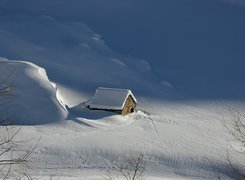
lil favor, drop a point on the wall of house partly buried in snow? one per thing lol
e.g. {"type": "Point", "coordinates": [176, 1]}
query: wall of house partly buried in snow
{"type": "Point", "coordinates": [129, 106]}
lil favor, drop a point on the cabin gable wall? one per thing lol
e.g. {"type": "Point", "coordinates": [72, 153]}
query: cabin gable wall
{"type": "Point", "coordinates": [129, 106]}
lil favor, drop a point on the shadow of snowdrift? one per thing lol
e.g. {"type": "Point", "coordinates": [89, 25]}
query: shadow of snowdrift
{"type": "Point", "coordinates": [81, 111]}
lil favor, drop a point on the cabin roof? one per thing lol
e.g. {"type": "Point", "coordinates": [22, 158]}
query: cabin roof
{"type": "Point", "coordinates": [110, 98]}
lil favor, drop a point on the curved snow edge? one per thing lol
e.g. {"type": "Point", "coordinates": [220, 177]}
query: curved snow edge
{"type": "Point", "coordinates": [43, 73]}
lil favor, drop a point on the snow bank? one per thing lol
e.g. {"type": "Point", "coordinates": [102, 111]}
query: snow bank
{"type": "Point", "coordinates": [34, 97]}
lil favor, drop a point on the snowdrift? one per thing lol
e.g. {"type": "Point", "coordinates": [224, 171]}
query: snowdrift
{"type": "Point", "coordinates": [33, 97]}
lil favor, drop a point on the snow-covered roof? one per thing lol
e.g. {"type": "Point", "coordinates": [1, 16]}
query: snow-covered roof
{"type": "Point", "coordinates": [110, 98]}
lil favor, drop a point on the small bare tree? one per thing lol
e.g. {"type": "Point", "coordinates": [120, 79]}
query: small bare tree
{"type": "Point", "coordinates": [131, 168]}
{"type": "Point", "coordinates": [6, 92]}
{"type": "Point", "coordinates": [236, 128]}
{"type": "Point", "coordinates": [13, 160]}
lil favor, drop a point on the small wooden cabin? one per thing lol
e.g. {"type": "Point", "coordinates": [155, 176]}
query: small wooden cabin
{"type": "Point", "coordinates": [121, 101]}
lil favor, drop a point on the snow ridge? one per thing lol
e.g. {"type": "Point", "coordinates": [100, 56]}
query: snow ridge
{"type": "Point", "coordinates": [34, 94]}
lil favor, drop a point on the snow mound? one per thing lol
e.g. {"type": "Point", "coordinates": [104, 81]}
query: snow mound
{"type": "Point", "coordinates": [33, 99]}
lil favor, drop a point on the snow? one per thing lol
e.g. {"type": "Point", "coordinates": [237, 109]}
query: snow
{"type": "Point", "coordinates": [68, 52]}
{"type": "Point", "coordinates": [183, 140]}
{"type": "Point", "coordinates": [110, 98]}
{"type": "Point", "coordinates": [64, 63]}
{"type": "Point", "coordinates": [34, 98]}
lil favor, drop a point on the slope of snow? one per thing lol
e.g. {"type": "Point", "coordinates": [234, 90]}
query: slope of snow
{"type": "Point", "coordinates": [183, 140]}
{"type": "Point", "coordinates": [180, 139]}
{"type": "Point", "coordinates": [74, 56]}
{"type": "Point", "coordinates": [198, 46]}
{"type": "Point", "coordinates": [33, 98]}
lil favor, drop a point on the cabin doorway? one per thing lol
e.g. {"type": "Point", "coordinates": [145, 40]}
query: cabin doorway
{"type": "Point", "coordinates": [131, 110]}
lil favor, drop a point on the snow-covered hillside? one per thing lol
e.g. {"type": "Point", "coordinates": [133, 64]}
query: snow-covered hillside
{"type": "Point", "coordinates": [180, 140]}
{"type": "Point", "coordinates": [59, 64]}
{"type": "Point", "coordinates": [198, 46]}
{"type": "Point", "coordinates": [74, 55]}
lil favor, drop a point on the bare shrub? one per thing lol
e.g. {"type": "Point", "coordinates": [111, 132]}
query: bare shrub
{"type": "Point", "coordinates": [13, 155]}
{"type": "Point", "coordinates": [13, 158]}
{"type": "Point", "coordinates": [6, 92]}
{"type": "Point", "coordinates": [132, 167]}
{"type": "Point", "coordinates": [236, 128]}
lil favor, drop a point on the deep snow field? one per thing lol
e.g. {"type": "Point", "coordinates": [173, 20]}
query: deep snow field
{"type": "Point", "coordinates": [61, 65]}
